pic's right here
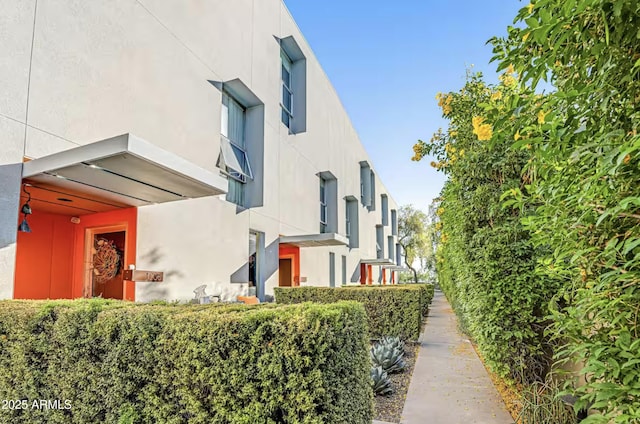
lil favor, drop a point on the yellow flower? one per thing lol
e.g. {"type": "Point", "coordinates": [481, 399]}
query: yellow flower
{"type": "Point", "coordinates": [541, 115]}
{"type": "Point", "coordinates": [476, 121]}
{"type": "Point", "coordinates": [530, 8]}
{"type": "Point", "coordinates": [497, 95]}
{"type": "Point", "coordinates": [517, 136]}
{"type": "Point", "coordinates": [524, 37]}
{"type": "Point", "coordinates": [484, 132]}
{"type": "Point", "coordinates": [440, 211]}
{"type": "Point", "coordinates": [626, 159]}
{"type": "Point", "coordinates": [433, 164]}
{"type": "Point", "coordinates": [510, 70]}
{"type": "Point", "coordinates": [453, 133]}
{"type": "Point", "coordinates": [461, 153]}
{"type": "Point", "coordinates": [446, 105]}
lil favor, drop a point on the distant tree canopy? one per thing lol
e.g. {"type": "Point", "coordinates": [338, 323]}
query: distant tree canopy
{"type": "Point", "coordinates": [414, 237]}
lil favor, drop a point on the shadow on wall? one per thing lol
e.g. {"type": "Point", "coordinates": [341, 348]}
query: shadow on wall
{"type": "Point", "coordinates": [269, 265]}
{"type": "Point", "coordinates": [156, 291]}
{"type": "Point", "coordinates": [355, 277]}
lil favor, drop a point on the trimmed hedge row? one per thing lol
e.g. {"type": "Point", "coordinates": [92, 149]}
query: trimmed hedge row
{"type": "Point", "coordinates": [427, 292]}
{"type": "Point", "coordinates": [117, 362]}
{"type": "Point", "coordinates": [391, 310]}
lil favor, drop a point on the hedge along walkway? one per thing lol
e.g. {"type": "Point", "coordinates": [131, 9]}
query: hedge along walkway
{"type": "Point", "coordinates": [449, 383]}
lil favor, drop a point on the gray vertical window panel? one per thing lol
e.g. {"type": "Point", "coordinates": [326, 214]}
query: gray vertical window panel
{"type": "Point", "coordinates": [254, 134]}
{"type": "Point", "coordinates": [384, 201]}
{"type": "Point", "coordinates": [394, 222]}
{"type": "Point", "coordinates": [398, 254]}
{"type": "Point", "coordinates": [390, 247]}
{"type": "Point", "coordinates": [372, 176]}
{"type": "Point", "coordinates": [352, 214]}
{"type": "Point", "coordinates": [365, 185]}
{"type": "Point", "coordinates": [332, 269]}
{"type": "Point", "coordinates": [344, 269]}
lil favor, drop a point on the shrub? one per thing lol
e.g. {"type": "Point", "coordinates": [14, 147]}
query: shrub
{"type": "Point", "coordinates": [119, 362]}
{"type": "Point", "coordinates": [387, 357]}
{"type": "Point", "coordinates": [380, 382]}
{"type": "Point", "coordinates": [391, 311]}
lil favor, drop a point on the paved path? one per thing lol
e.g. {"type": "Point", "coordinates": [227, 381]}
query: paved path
{"type": "Point", "coordinates": [449, 383]}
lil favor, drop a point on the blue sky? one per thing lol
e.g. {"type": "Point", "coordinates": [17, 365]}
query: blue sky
{"type": "Point", "coordinates": [387, 60]}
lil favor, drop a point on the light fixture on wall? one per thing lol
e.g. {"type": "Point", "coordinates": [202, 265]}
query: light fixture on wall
{"type": "Point", "coordinates": [26, 210]}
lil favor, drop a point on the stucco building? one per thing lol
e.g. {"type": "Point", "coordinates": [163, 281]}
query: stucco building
{"type": "Point", "coordinates": [200, 139]}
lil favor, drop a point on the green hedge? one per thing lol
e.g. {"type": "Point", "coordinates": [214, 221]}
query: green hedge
{"type": "Point", "coordinates": [426, 293]}
{"type": "Point", "coordinates": [391, 310]}
{"type": "Point", "coordinates": [122, 363]}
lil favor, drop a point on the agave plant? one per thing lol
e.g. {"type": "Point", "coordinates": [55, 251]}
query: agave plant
{"type": "Point", "coordinates": [380, 381]}
{"type": "Point", "coordinates": [393, 342]}
{"type": "Point", "coordinates": [390, 359]}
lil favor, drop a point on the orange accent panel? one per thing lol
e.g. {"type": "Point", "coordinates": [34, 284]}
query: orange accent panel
{"type": "Point", "coordinates": [363, 274]}
{"type": "Point", "coordinates": [127, 217]}
{"type": "Point", "coordinates": [384, 276]}
{"type": "Point", "coordinates": [370, 274]}
{"type": "Point", "coordinates": [44, 258]}
{"type": "Point", "coordinates": [287, 251]}
{"type": "Point", "coordinates": [393, 277]}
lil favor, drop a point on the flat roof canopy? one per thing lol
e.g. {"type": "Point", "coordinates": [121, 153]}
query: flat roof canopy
{"type": "Point", "coordinates": [382, 261]}
{"type": "Point", "coordinates": [122, 171]}
{"type": "Point", "coordinates": [396, 268]}
{"type": "Point", "coordinates": [315, 240]}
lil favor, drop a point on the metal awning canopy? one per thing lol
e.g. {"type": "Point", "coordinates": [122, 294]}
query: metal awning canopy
{"type": "Point", "coordinates": [122, 171]}
{"type": "Point", "coordinates": [315, 240]}
{"type": "Point", "coordinates": [396, 268]}
{"type": "Point", "coordinates": [382, 261]}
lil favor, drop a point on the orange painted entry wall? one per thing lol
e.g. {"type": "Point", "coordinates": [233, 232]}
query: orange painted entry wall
{"type": "Point", "coordinates": [287, 251]}
{"type": "Point", "coordinates": [51, 259]}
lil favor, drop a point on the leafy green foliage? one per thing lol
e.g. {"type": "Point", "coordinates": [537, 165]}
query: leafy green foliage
{"type": "Point", "coordinates": [391, 310]}
{"type": "Point", "coordinates": [584, 193]}
{"type": "Point", "coordinates": [118, 362]}
{"type": "Point", "coordinates": [485, 259]}
{"type": "Point", "coordinates": [380, 382]}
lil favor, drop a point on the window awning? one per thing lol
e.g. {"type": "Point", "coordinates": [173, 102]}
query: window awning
{"type": "Point", "coordinates": [315, 240]}
{"type": "Point", "coordinates": [124, 171]}
{"type": "Point", "coordinates": [234, 160]}
{"type": "Point", "coordinates": [376, 261]}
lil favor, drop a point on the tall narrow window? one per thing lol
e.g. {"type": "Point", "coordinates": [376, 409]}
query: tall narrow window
{"type": "Point", "coordinates": [390, 247]}
{"type": "Point", "coordinates": [384, 202]}
{"type": "Point", "coordinates": [379, 242]}
{"type": "Point", "coordinates": [332, 269]}
{"type": "Point", "coordinates": [287, 91]}
{"type": "Point", "coordinates": [323, 206]}
{"type": "Point", "coordinates": [234, 160]}
{"type": "Point", "coordinates": [394, 222]}
{"type": "Point", "coordinates": [344, 269]}
{"type": "Point", "coordinates": [351, 215]}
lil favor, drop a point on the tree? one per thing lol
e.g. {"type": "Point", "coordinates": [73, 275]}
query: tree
{"type": "Point", "coordinates": [413, 236]}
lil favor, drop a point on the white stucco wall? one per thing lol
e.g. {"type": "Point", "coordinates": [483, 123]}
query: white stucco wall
{"type": "Point", "coordinates": [102, 68]}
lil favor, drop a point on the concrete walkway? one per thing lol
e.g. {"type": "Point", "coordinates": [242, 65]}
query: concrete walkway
{"type": "Point", "coordinates": [449, 383]}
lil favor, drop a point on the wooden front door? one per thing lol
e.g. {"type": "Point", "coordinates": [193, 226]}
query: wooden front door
{"type": "Point", "coordinates": [286, 273]}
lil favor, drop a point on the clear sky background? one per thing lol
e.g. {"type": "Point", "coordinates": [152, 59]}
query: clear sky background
{"type": "Point", "coordinates": [389, 59]}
